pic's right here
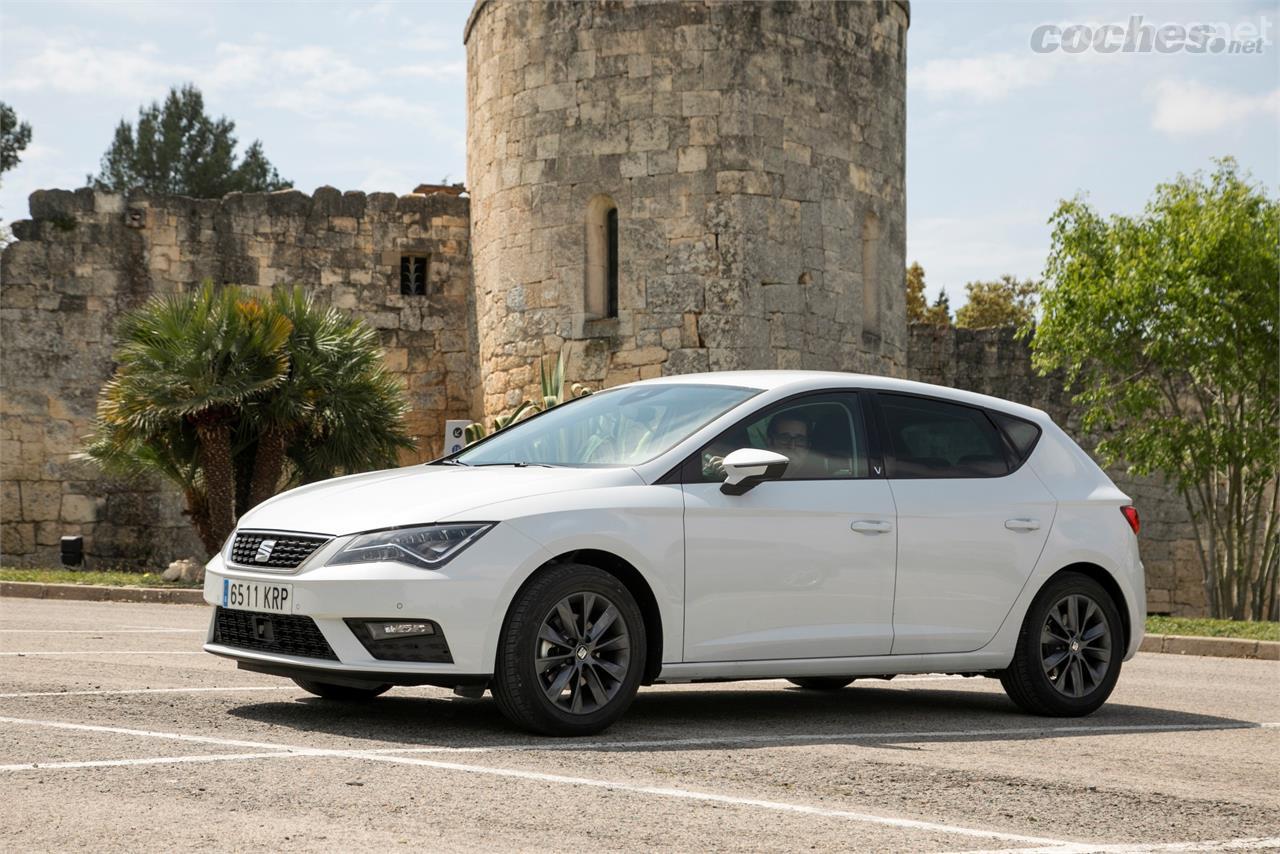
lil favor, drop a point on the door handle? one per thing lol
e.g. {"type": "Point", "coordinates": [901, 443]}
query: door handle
{"type": "Point", "coordinates": [1022, 524]}
{"type": "Point", "coordinates": [871, 526]}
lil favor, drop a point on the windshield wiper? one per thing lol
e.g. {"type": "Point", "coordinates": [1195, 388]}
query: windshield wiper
{"type": "Point", "coordinates": [519, 465]}
{"type": "Point", "coordinates": [450, 463]}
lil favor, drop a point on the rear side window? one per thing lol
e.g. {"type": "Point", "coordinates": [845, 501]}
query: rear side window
{"type": "Point", "coordinates": [1022, 435]}
{"type": "Point", "coordinates": [933, 439]}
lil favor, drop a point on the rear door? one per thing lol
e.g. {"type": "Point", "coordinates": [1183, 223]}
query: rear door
{"type": "Point", "coordinates": [800, 567]}
{"type": "Point", "coordinates": [972, 522]}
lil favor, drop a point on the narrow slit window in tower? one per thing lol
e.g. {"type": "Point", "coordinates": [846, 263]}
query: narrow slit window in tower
{"type": "Point", "coordinates": [601, 281]}
{"type": "Point", "coordinates": [870, 277]}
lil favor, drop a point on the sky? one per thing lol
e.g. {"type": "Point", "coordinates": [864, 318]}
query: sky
{"type": "Point", "coordinates": [371, 96]}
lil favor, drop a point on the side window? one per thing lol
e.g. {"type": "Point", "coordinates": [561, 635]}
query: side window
{"type": "Point", "coordinates": [1022, 435]}
{"type": "Point", "coordinates": [930, 438]}
{"type": "Point", "coordinates": [821, 435]}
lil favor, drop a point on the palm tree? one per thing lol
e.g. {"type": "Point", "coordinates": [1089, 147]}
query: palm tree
{"type": "Point", "coordinates": [232, 397]}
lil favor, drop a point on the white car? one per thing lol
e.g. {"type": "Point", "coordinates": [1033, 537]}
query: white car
{"type": "Point", "coordinates": [817, 527]}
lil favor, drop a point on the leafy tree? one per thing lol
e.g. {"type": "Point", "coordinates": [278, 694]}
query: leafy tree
{"type": "Point", "coordinates": [939, 314]}
{"type": "Point", "coordinates": [177, 149]}
{"type": "Point", "coordinates": [232, 397]}
{"type": "Point", "coordinates": [918, 308]}
{"type": "Point", "coordinates": [14, 137]}
{"type": "Point", "coordinates": [1005, 302]}
{"type": "Point", "coordinates": [1166, 327]}
{"type": "Point", "coordinates": [917, 303]}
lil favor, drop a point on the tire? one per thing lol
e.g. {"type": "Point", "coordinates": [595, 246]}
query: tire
{"type": "Point", "coordinates": [1078, 685]}
{"type": "Point", "coordinates": [583, 683]}
{"type": "Point", "coordinates": [344, 693]}
{"type": "Point", "coordinates": [821, 683]}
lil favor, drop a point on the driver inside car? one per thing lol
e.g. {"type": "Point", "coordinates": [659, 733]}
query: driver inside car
{"type": "Point", "coordinates": [788, 434]}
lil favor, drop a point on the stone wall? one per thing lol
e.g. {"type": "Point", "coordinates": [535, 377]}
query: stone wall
{"type": "Point", "coordinates": [85, 257]}
{"type": "Point", "coordinates": [993, 361]}
{"type": "Point", "coordinates": [754, 152]}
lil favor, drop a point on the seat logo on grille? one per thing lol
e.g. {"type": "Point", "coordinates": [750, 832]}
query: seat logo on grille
{"type": "Point", "coordinates": [264, 551]}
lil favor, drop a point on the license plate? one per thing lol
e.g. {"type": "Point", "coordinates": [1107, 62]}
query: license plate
{"type": "Point", "coordinates": [257, 596]}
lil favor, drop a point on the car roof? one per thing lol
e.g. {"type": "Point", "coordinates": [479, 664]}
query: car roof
{"type": "Point", "coordinates": [801, 381]}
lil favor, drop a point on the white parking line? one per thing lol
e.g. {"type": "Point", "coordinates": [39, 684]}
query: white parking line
{"type": "Point", "coordinates": [837, 737]}
{"type": "Point", "coordinates": [610, 785]}
{"type": "Point", "coordinates": [1246, 844]}
{"type": "Point", "coordinates": [110, 652]}
{"type": "Point", "coordinates": [146, 733]}
{"type": "Point", "coordinates": [100, 631]}
{"type": "Point", "coordinates": [124, 691]}
{"type": "Point", "coordinates": [1044, 845]}
{"type": "Point", "coordinates": [150, 760]}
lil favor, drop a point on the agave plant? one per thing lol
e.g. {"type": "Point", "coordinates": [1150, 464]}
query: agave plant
{"type": "Point", "coordinates": [232, 397]}
{"type": "Point", "coordinates": [553, 394]}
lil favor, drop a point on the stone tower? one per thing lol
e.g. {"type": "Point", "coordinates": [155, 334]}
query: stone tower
{"type": "Point", "coordinates": [665, 187]}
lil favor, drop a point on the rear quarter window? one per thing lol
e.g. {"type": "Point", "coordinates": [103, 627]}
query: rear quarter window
{"type": "Point", "coordinates": [1022, 434]}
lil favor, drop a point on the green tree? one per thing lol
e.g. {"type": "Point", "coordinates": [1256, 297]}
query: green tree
{"type": "Point", "coordinates": [177, 149]}
{"type": "Point", "coordinates": [917, 303]}
{"type": "Point", "coordinates": [1166, 327]}
{"type": "Point", "coordinates": [1004, 302]}
{"type": "Point", "coordinates": [14, 137]}
{"type": "Point", "coordinates": [939, 313]}
{"type": "Point", "coordinates": [232, 397]}
{"type": "Point", "coordinates": [918, 308]}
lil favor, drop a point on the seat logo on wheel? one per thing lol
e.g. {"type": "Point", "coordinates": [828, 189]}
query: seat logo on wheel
{"type": "Point", "coordinates": [264, 551]}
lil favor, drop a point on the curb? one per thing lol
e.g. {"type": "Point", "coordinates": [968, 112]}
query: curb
{"type": "Point", "coordinates": [93, 593]}
{"type": "Point", "coordinates": [1216, 647]}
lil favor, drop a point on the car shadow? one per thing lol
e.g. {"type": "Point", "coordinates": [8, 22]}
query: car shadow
{"type": "Point", "coordinates": [697, 718]}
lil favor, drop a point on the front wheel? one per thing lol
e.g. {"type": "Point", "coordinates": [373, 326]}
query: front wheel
{"type": "Point", "coordinates": [572, 652]}
{"type": "Point", "coordinates": [821, 683]}
{"type": "Point", "coordinates": [347, 693]}
{"type": "Point", "coordinates": [1069, 650]}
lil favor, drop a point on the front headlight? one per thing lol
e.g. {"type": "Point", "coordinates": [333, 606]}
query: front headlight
{"type": "Point", "coordinates": [427, 546]}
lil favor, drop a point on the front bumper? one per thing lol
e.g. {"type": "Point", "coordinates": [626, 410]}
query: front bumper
{"type": "Point", "coordinates": [466, 603]}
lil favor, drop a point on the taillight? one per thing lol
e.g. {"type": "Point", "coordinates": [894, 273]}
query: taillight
{"type": "Point", "coordinates": [1131, 516]}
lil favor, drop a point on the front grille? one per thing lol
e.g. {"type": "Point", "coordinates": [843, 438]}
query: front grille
{"type": "Point", "coordinates": [286, 551]}
{"type": "Point", "coordinates": [282, 633]}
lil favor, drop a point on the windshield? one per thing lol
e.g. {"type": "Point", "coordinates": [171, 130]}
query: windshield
{"type": "Point", "coordinates": [622, 427]}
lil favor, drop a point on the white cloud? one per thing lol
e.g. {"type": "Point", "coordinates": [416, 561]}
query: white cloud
{"type": "Point", "coordinates": [1184, 107]}
{"type": "Point", "coordinates": [79, 69]}
{"type": "Point", "coordinates": [985, 78]}
{"type": "Point", "coordinates": [433, 71]}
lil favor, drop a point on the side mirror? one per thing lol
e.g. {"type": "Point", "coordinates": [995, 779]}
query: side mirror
{"type": "Point", "coordinates": [746, 467]}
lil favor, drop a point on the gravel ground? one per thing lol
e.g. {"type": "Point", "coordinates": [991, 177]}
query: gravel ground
{"type": "Point", "coordinates": [117, 733]}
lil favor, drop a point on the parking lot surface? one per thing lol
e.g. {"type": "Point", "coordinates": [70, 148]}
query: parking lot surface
{"type": "Point", "coordinates": [118, 733]}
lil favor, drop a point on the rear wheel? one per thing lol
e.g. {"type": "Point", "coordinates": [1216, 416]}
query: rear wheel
{"type": "Point", "coordinates": [821, 683]}
{"type": "Point", "coordinates": [572, 652]}
{"type": "Point", "coordinates": [1069, 650]}
{"type": "Point", "coordinates": [347, 693]}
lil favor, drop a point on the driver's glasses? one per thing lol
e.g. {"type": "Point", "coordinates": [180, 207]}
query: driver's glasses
{"type": "Point", "coordinates": [789, 440]}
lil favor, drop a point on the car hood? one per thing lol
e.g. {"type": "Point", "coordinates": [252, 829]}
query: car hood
{"type": "Point", "coordinates": [419, 495]}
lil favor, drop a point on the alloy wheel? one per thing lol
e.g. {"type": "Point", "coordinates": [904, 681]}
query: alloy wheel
{"type": "Point", "coordinates": [583, 652]}
{"type": "Point", "coordinates": [1075, 645]}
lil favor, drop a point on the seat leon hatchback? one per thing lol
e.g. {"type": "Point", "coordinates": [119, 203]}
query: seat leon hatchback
{"type": "Point", "coordinates": [815, 527]}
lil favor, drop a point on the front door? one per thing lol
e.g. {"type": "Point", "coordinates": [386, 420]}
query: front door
{"type": "Point", "coordinates": [801, 567]}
